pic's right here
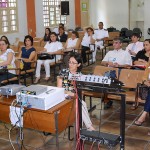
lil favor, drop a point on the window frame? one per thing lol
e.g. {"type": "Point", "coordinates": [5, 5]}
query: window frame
{"type": "Point", "coordinates": [9, 20]}
{"type": "Point", "coordinates": [47, 7]}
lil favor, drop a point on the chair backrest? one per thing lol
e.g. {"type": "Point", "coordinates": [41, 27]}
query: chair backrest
{"type": "Point", "coordinates": [131, 77]}
{"type": "Point", "coordinates": [15, 49]}
{"type": "Point", "coordinates": [112, 35]}
{"type": "Point", "coordinates": [100, 70]}
{"type": "Point", "coordinates": [36, 43]}
{"type": "Point", "coordinates": [38, 48]}
{"type": "Point", "coordinates": [43, 43]}
{"type": "Point", "coordinates": [138, 30]}
{"type": "Point", "coordinates": [129, 33]}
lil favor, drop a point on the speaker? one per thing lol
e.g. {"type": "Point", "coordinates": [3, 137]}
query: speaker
{"type": "Point", "coordinates": [64, 7]}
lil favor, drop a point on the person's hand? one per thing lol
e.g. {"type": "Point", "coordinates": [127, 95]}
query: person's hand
{"type": "Point", "coordinates": [147, 83]}
{"type": "Point", "coordinates": [98, 40]}
{"type": "Point", "coordinates": [116, 65]}
{"type": "Point", "coordinates": [110, 64]}
{"type": "Point", "coordinates": [130, 52]}
{"type": "Point", "coordinates": [70, 93]}
{"type": "Point", "coordinates": [141, 60]}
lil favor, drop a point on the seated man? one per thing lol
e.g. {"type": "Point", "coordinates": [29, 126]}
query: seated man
{"type": "Point", "coordinates": [117, 57]}
{"type": "Point", "coordinates": [136, 46]}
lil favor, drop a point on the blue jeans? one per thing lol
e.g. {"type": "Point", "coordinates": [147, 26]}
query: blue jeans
{"type": "Point", "coordinates": [4, 76]}
{"type": "Point", "coordinates": [147, 103]}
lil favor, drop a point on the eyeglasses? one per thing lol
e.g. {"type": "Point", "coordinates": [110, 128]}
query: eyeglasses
{"type": "Point", "coordinates": [73, 63]}
{"type": "Point", "coordinates": [2, 44]}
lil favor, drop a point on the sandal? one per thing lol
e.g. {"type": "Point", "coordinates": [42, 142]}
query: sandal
{"type": "Point", "coordinates": [134, 106]}
{"type": "Point", "coordinates": [47, 79]}
{"type": "Point", "coordinates": [37, 80]}
{"type": "Point", "coordinates": [138, 123]}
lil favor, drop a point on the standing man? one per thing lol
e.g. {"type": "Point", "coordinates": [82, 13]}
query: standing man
{"type": "Point", "coordinates": [101, 35]}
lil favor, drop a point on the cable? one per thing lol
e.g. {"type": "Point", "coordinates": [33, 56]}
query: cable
{"type": "Point", "coordinates": [10, 140]}
{"type": "Point", "coordinates": [92, 144]}
{"type": "Point", "coordinates": [98, 146]}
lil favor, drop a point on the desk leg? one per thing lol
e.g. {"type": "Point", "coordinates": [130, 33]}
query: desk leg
{"type": "Point", "coordinates": [56, 128]}
{"type": "Point", "coordinates": [122, 123]}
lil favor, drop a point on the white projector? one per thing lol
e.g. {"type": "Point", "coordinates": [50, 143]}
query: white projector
{"type": "Point", "coordinates": [11, 89]}
{"type": "Point", "coordinates": [43, 101]}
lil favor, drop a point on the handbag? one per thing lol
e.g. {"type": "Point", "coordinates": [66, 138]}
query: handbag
{"type": "Point", "coordinates": [44, 56]}
{"type": "Point", "coordinates": [3, 70]}
{"type": "Point", "coordinates": [143, 91]}
{"type": "Point", "coordinates": [110, 74]}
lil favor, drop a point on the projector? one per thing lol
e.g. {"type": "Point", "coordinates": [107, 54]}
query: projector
{"type": "Point", "coordinates": [44, 101]}
{"type": "Point", "coordinates": [11, 89]}
{"type": "Point", "coordinates": [34, 89]}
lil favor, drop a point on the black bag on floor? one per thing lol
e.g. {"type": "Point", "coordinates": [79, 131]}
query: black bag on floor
{"type": "Point", "coordinates": [143, 91]}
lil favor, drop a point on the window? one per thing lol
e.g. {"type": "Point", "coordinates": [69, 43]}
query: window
{"type": "Point", "coordinates": [8, 16]}
{"type": "Point", "coordinates": [52, 13]}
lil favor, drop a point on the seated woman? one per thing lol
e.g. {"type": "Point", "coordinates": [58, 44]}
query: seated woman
{"type": "Point", "coordinates": [62, 36]}
{"type": "Point", "coordinates": [146, 81]}
{"type": "Point", "coordinates": [51, 47]}
{"type": "Point", "coordinates": [75, 66]}
{"type": "Point", "coordinates": [142, 57]}
{"type": "Point", "coordinates": [27, 53]}
{"type": "Point", "coordinates": [88, 39]}
{"type": "Point", "coordinates": [47, 34]}
{"type": "Point", "coordinates": [71, 44]}
{"type": "Point", "coordinates": [7, 60]}
{"type": "Point", "coordinates": [6, 39]}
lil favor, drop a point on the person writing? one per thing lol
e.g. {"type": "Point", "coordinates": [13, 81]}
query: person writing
{"type": "Point", "coordinates": [7, 60]}
{"type": "Point", "coordinates": [52, 47]}
{"type": "Point", "coordinates": [146, 81]}
{"type": "Point", "coordinates": [142, 57]}
{"type": "Point", "coordinates": [75, 66]}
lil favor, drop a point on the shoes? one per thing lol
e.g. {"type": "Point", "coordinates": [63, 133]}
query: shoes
{"type": "Point", "coordinates": [91, 128]}
{"type": "Point", "coordinates": [133, 107]}
{"type": "Point", "coordinates": [37, 80]}
{"type": "Point", "coordinates": [138, 123]}
{"type": "Point", "coordinates": [108, 105]}
{"type": "Point", "coordinates": [46, 79]}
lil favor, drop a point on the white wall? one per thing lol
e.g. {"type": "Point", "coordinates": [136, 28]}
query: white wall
{"type": "Point", "coordinates": [115, 13]}
{"type": "Point", "coordinates": [111, 12]}
{"type": "Point", "coordinates": [39, 17]}
{"type": "Point", "coordinates": [22, 21]}
{"type": "Point", "coordinates": [146, 18]}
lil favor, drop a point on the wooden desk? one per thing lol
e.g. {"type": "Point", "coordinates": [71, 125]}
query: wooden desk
{"type": "Point", "coordinates": [54, 120]}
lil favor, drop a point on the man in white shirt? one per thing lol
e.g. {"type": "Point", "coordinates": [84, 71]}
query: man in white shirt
{"type": "Point", "coordinates": [101, 34]}
{"type": "Point", "coordinates": [117, 57]}
{"type": "Point", "coordinates": [136, 46]}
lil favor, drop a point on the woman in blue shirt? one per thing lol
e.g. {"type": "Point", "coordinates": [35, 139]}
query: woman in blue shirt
{"type": "Point", "coordinates": [27, 53]}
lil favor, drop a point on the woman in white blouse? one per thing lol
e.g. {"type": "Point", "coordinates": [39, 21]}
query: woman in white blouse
{"type": "Point", "coordinates": [51, 47]}
{"type": "Point", "coordinates": [89, 38]}
{"type": "Point", "coordinates": [73, 42]}
{"type": "Point", "coordinates": [7, 60]}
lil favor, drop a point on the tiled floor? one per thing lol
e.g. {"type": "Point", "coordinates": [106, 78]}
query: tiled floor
{"type": "Point", "coordinates": [136, 138]}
